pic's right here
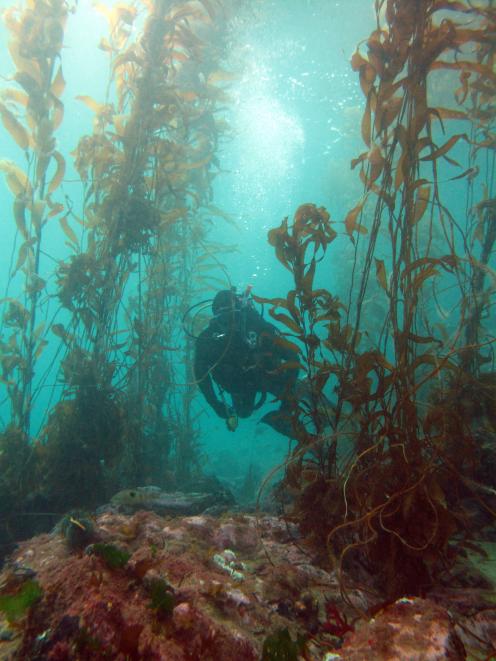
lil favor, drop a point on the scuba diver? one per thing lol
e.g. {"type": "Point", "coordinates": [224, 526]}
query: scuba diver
{"type": "Point", "coordinates": [246, 357]}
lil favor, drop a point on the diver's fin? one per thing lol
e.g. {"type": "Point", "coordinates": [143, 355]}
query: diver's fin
{"type": "Point", "coordinates": [280, 421]}
{"type": "Point", "coordinates": [302, 391]}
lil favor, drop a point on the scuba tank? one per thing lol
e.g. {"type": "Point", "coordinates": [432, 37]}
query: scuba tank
{"type": "Point", "coordinates": [243, 302]}
{"type": "Point", "coordinates": [246, 302]}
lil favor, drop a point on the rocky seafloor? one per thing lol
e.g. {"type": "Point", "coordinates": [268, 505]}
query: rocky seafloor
{"type": "Point", "coordinates": [222, 588]}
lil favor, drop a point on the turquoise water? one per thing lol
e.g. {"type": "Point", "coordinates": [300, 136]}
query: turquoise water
{"type": "Point", "coordinates": [295, 111]}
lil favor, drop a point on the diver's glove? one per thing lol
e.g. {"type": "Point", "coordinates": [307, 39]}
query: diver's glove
{"type": "Point", "coordinates": [232, 420]}
{"type": "Point", "coordinates": [228, 414]}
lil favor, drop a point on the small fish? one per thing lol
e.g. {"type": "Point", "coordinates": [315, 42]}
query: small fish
{"type": "Point", "coordinates": [165, 502]}
{"type": "Point", "coordinates": [138, 496]}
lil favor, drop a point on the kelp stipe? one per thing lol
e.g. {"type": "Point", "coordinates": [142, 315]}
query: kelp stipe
{"type": "Point", "coordinates": [18, 478]}
{"type": "Point", "coordinates": [31, 112]}
{"type": "Point", "coordinates": [395, 506]}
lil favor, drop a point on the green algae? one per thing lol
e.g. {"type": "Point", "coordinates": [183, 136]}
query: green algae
{"type": "Point", "coordinates": [485, 563]}
{"type": "Point", "coordinates": [15, 606]}
{"type": "Point", "coordinates": [113, 556]}
{"type": "Point", "coordinates": [162, 596]}
{"type": "Point", "coordinates": [279, 646]}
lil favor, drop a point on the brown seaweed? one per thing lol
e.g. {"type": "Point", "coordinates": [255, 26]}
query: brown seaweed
{"type": "Point", "coordinates": [394, 507]}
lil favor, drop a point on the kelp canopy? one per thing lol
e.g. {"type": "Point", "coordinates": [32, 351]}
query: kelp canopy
{"type": "Point", "coordinates": [416, 403]}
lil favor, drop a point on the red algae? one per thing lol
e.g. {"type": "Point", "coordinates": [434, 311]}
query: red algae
{"type": "Point", "coordinates": [220, 603]}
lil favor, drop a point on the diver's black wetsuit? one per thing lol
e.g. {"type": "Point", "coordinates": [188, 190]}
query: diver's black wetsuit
{"type": "Point", "coordinates": [244, 355]}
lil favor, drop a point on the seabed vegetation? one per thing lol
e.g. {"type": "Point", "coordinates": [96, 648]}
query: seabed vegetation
{"type": "Point", "coordinates": [391, 476]}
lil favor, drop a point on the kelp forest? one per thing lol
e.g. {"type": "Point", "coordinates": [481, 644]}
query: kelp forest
{"type": "Point", "coordinates": [398, 433]}
{"type": "Point", "coordinates": [415, 406]}
{"type": "Point", "coordinates": [112, 304]}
